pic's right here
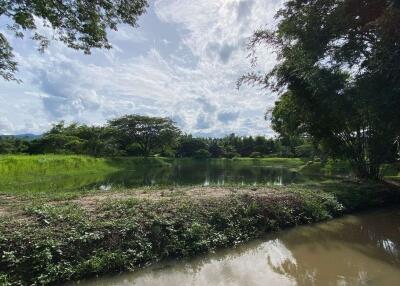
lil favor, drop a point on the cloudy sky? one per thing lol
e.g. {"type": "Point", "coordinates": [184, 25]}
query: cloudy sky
{"type": "Point", "coordinates": [182, 62]}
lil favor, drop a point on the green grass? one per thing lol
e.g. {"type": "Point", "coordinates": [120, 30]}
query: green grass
{"type": "Point", "coordinates": [61, 176]}
{"type": "Point", "coordinates": [15, 166]}
{"type": "Point", "coordinates": [47, 165]}
{"type": "Point", "coordinates": [49, 175]}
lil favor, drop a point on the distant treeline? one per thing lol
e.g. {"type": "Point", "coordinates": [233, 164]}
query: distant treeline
{"type": "Point", "coordinates": [135, 135]}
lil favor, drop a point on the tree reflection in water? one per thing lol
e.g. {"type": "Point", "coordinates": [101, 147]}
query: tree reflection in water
{"type": "Point", "coordinates": [356, 250]}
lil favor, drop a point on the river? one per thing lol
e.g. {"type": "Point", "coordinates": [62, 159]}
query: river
{"type": "Point", "coordinates": [362, 249]}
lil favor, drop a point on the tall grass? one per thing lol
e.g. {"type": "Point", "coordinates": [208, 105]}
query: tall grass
{"type": "Point", "coordinates": [23, 165]}
{"type": "Point", "coordinates": [50, 173]}
{"type": "Point", "coordinates": [60, 176]}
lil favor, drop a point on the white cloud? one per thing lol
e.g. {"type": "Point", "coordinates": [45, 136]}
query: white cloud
{"type": "Point", "coordinates": [126, 34]}
{"type": "Point", "coordinates": [5, 126]}
{"type": "Point", "coordinates": [197, 90]}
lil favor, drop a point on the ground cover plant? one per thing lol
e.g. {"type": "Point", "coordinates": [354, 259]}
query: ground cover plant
{"type": "Point", "coordinates": [45, 242]}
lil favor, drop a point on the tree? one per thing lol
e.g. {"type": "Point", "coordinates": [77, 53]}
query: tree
{"type": "Point", "coordinates": [202, 154]}
{"type": "Point", "coordinates": [80, 24]}
{"type": "Point", "coordinates": [338, 72]}
{"type": "Point", "coordinates": [188, 146]}
{"type": "Point", "coordinates": [150, 133]}
{"type": "Point", "coordinates": [215, 149]}
{"type": "Point", "coordinates": [58, 140]}
{"type": "Point", "coordinates": [10, 144]}
{"type": "Point", "coordinates": [76, 139]}
{"type": "Point", "coordinates": [287, 120]}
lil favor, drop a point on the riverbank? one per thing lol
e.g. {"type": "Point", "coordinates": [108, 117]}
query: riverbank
{"type": "Point", "coordinates": [52, 241]}
{"type": "Point", "coordinates": [365, 242]}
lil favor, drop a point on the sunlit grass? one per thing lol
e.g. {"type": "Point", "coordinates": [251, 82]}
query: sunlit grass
{"type": "Point", "coordinates": [15, 165]}
{"type": "Point", "coordinates": [62, 176]}
{"type": "Point", "coordinates": [50, 174]}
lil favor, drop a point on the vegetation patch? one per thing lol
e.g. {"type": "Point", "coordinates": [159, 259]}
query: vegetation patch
{"type": "Point", "coordinates": [62, 176]}
{"type": "Point", "coordinates": [54, 242]}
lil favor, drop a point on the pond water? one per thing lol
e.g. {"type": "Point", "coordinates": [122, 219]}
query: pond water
{"type": "Point", "coordinates": [178, 172]}
{"type": "Point", "coordinates": [359, 249]}
{"type": "Point", "coordinates": [206, 172]}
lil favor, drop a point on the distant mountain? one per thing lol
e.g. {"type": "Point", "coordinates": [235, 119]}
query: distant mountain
{"type": "Point", "coordinates": [26, 136]}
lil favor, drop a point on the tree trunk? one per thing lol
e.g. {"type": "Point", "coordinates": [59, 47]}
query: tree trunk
{"type": "Point", "coordinates": [367, 170]}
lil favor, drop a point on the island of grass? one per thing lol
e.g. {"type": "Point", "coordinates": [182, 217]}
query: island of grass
{"type": "Point", "coordinates": [49, 238]}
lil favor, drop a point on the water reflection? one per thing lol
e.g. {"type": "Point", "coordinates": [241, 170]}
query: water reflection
{"type": "Point", "coordinates": [206, 173]}
{"type": "Point", "coordinates": [355, 250]}
{"type": "Point", "coordinates": [179, 172]}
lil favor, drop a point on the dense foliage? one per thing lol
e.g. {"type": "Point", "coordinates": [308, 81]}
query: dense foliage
{"type": "Point", "coordinates": [135, 135]}
{"type": "Point", "coordinates": [144, 134]}
{"type": "Point", "coordinates": [12, 145]}
{"type": "Point", "coordinates": [338, 74]}
{"type": "Point", "coordinates": [81, 25]}
{"type": "Point", "coordinates": [237, 146]}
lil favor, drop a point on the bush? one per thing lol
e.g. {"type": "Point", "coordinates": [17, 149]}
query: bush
{"type": "Point", "coordinates": [202, 154]}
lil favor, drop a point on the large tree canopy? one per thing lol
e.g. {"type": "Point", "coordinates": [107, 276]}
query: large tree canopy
{"type": "Point", "coordinates": [339, 73]}
{"type": "Point", "coordinates": [149, 133]}
{"type": "Point", "coordinates": [80, 24]}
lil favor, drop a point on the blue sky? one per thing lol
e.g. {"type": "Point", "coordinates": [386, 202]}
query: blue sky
{"type": "Point", "coordinates": [182, 62]}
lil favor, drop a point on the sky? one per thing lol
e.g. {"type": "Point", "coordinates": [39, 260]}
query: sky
{"type": "Point", "coordinates": [182, 62]}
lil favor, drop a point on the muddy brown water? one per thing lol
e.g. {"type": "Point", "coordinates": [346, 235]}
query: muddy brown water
{"type": "Point", "coordinates": [362, 249]}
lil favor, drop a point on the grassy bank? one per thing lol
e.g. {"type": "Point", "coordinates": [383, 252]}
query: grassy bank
{"type": "Point", "coordinates": [55, 241]}
{"type": "Point", "coordinates": [48, 165]}
{"type": "Point", "coordinates": [60, 176]}
{"type": "Point", "coordinates": [34, 175]}
{"type": "Point", "coordinates": [16, 165]}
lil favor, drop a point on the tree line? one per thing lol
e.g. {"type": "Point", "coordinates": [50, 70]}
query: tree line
{"type": "Point", "coordinates": [135, 135]}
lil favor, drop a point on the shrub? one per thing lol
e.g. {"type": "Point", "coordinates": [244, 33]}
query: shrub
{"type": "Point", "coordinates": [202, 154]}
